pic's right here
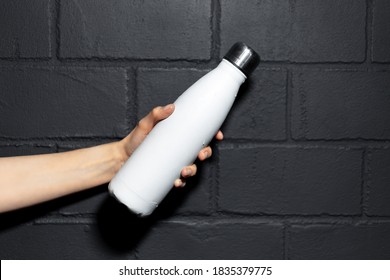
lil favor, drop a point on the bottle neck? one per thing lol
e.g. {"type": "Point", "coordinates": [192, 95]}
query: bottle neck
{"type": "Point", "coordinates": [230, 68]}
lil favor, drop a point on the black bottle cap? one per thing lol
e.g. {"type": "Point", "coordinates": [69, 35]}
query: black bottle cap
{"type": "Point", "coordinates": [243, 57]}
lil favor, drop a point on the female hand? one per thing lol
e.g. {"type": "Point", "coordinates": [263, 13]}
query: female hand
{"type": "Point", "coordinates": [145, 126]}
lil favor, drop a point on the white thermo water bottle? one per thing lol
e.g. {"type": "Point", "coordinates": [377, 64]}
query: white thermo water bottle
{"type": "Point", "coordinates": [149, 174]}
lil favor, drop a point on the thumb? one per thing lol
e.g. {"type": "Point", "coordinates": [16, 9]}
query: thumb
{"type": "Point", "coordinates": [146, 124]}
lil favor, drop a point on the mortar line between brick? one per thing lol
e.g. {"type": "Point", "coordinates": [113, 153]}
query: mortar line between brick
{"type": "Point", "coordinates": [364, 182]}
{"type": "Point", "coordinates": [232, 219]}
{"type": "Point", "coordinates": [226, 144]}
{"type": "Point", "coordinates": [368, 31]}
{"type": "Point", "coordinates": [216, 183]}
{"type": "Point", "coordinates": [216, 30]}
{"type": "Point", "coordinates": [213, 185]}
{"type": "Point", "coordinates": [206, 64]}
{"type": "Point", "coordinates": [233, 144]}
{"type": "Point", "coordinates": [52, 11]}
{"type": "Point", "coordinates": [57, 30]}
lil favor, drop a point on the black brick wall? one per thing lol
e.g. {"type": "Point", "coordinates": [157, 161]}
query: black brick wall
{"type": "Point", "coordinates": [302, 174]}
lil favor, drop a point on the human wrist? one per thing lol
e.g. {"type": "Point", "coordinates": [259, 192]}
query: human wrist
{"type": "Point", "coordinates": [118, 152]}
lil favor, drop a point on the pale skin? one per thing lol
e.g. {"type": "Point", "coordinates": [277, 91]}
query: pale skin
{"type": "Point", "coordinates": [29, 180]}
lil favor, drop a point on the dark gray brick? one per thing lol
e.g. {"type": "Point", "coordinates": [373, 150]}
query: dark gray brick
{"type": "Point", "coordinates": [63, 102]}
{"type": "Point", "coordinates": [213, 241]}
{"type": "Point", "coordinates": [379, 182]}
{"type": "Point", "coordinates": [297, 30]}
{"type": "Point", "coordinates": [56, 241]}
{"type": "Point", "coordinates": [341, 105]}
{"type": "Point", "coordinates": [195, 197]}
{"type": "Point", "coordinates": [260, 109]}
{"type": "Point", "coordinates": [136, 29]}
{"type": "Point", "coordinates": [24, 29]}
{"type": "Point", "coordinates": [331, 241]}
{"type": "Point", "coordinates": [258, 113]}
{"type": "Point", "coordinates": [86, 202]}
{"type": "Point", "coordinates": [381, 31]}
{"type": "Point", "coordinates": [290, 180]}
{"type": "Point", "coordinates": [263, 25]}
{"type": "Point", "coordinates": [158, 87]}
{"type": "Point", "coordinates": [21, 150]}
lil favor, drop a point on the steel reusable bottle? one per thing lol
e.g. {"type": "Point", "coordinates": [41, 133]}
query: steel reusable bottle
{"type": "Point", "coordinates": [149, 174]}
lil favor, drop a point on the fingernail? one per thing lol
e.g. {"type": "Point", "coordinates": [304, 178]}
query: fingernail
{"type": "Point", "coordinates": [178, 183]}
{"type": "Point", "coordinates": [206, 154]}
{"type": "Point", "coordinates": [167, 107]}
{"type": "Point", "coordinates": [188, 171]}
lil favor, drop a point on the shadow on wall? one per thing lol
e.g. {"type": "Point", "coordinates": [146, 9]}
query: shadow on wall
{"type": "Point", "coordinates": [118, 227]}
{"type": "Point", "coordinates": [45, 210]}
{"type": "Point", "coordinates": [122, 230]}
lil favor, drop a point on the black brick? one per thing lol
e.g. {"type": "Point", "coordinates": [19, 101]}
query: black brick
{"type": "Point", "coordinates": [302, 172]}
{"type": "Point", "coordinates": [381, 31]}
{"type": "Point", "coordinates": [364, 241]}
{"type": "Point", "coordinates": [86, 202]}
{"type": "Point", "coordinates": [341, 105]}
{"type": "Point", "coordinates": [297, 30]}
{"type": "Point", "coordinates": [260, 109]}
{"type": "Point", "coordinates": [379, 183]}
{"type": "Point", "coordinates": [291, 180]}
{"type": "Point", "coordinates": [195, 197]}
{"type": "Point", "coordinates": [213, 241]}
{"type": "Point", "coordinates": [136, 29]}
{"type": "Point", "coordinates": [158, 87]}
{"type": "Point", "coordinates": [63, 102]}
{"type": "Point", "coordinates": [56, 241]}
{"type": "Point", "coordinates": [21, 150]}
{"type": "Point", "coordinates": [24, 29]}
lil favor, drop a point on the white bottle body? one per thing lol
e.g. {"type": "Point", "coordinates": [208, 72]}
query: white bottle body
{"type": "Point", "coordinates": [149, 174]}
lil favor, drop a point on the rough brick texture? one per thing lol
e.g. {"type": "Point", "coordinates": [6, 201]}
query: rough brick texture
{"type": "Point", "coordinates": [290, 181]}
{"type": "Point", "coordinates": [158, 87]}
{"type": "Point", "coordinates": [341, 105]}
{"type": "Point", "coordinates": [381, 31]}
{"type": "Point", "coordinates": [21, 150]}
{"type": "Point", "coordinates": [260, 108]}
{"type": "Point", "coordinates": [297, 30]}
{"type": "Point", "coordinates": [213, 241]}
{"type": "Point", "coordinates": [302, 172]}
{"type": "Point", "coordinates": [24, 29]}
{"type": "Point", "coordinates": [60, 241]}
{"type": "Point", "coordinates": [136, 29]}
{"type": "Point", "coordinates": [62, 102]}
{"type": "Point", "coordinates": [356, 241]}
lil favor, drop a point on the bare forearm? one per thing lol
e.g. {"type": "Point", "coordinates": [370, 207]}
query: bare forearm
{"type": "Point", "coordinates": [27, 180]}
